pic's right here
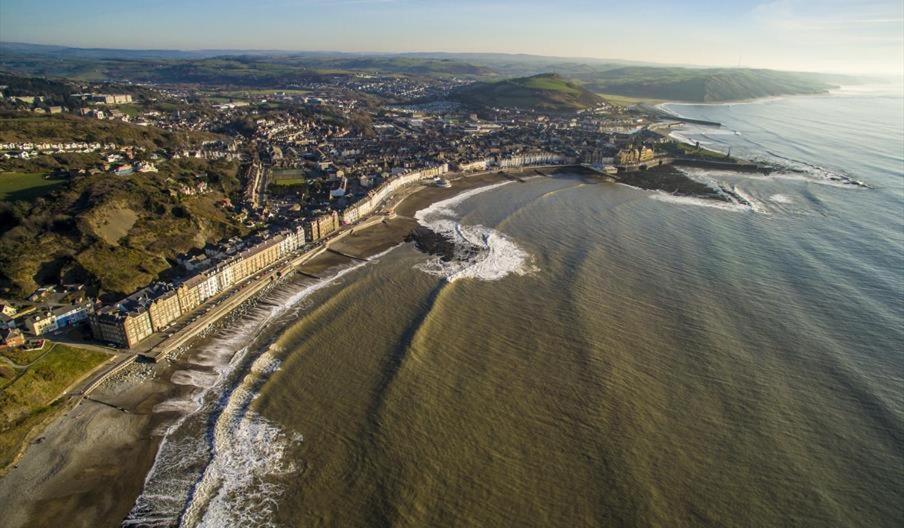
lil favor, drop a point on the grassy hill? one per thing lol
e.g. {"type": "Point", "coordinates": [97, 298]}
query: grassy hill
{"type": "Point", "coordinates": [704, 85]}
{"type": "Point", "coordinates": [116, 233]}
{"type": "Point", "coordinates": [548, 91]}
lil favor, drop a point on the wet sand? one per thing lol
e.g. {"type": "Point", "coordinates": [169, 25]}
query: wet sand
{"type": "Point", "coordinates": [93, 462]}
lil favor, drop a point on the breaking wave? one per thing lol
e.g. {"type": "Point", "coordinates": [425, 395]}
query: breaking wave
{"type": "Point", "coordinates": [781, 198]}
{"type": "Point", "coordinates": [236, 488]}
{"type": "Point", "coordinates": [700, 202]}
{"type": "Point", "coordinates": [784, 167]}
{"type": "Point", "coordinates": [194, 378]}
{"type": "Point", "coordinates": [219, 462]}
{"type": "Point", "coordinates": [479, 251]}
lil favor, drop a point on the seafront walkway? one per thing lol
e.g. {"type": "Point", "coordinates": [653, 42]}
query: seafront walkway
{"type": "Point", "coordinates": [224, 306]}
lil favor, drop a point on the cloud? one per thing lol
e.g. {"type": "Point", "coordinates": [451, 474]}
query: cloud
{"type": "Point", "coordinates": [848, 16]}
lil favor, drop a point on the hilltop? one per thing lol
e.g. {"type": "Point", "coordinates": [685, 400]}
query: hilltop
{"type": "Point", "coordinates": [547, 91]}
{"type": "Point", "coordinates": [705, 85]}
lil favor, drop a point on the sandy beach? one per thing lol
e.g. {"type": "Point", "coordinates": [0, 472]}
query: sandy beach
{"type": "Point", "coordinates": [89, 465]}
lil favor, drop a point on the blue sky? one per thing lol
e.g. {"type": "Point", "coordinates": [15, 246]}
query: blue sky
{"type": "Point", "coordinates": [818, 35]}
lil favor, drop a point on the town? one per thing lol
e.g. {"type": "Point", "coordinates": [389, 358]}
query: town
{"type": "Point", "coordinates": [313, 159]}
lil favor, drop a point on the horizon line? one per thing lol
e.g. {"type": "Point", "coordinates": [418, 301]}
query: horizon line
{"type": "Point", "coordinates": [610, 60]}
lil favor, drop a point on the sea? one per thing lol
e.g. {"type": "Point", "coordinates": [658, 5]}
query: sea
{"type": "Point", "coordinates": [593, 355]}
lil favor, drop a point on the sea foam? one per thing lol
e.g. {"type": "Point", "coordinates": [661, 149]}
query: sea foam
{"type": "Point", "coordinates": [480, 252]}
{"type": "Point", "coordinates": [700, 202]}
{"type": "Point", "coordinates": [225, 476]}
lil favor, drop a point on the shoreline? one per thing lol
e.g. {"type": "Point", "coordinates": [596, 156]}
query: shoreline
{"type": "Point", "coordinates": [69, 474]}
{"type": "Point", "coordinates": [95, 458]}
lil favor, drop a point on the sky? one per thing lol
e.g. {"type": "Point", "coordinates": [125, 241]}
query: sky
{"type": "Point", "coordinates": [856, 36]}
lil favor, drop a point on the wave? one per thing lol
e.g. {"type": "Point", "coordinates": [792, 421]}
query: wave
{"type": "Point", "coordinates": [178, 405]}
{"type": "Point", "coordinates": [784, 167]}
{"type": "Point", "coordinates": [781, 198]}
{"type": "Point", "coordinates": [204, 479]}
{"type": "Point", "coordinates": [194, 378]}
{"type": "Point", "coordinates": [479, 252]}
{"type": "Point", "coordinates": [247, 451]}
{"type": "Point", "coordinates": [700, 202]}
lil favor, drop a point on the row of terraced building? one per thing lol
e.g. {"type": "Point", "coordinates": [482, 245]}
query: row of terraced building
{"type": "Point", "coordinates": [153, 309]}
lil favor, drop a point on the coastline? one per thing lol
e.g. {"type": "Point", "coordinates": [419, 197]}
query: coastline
{"type": "Point", "coordinates": [93, 461]}
{"type": "Point", "coordinates": [84, 449]}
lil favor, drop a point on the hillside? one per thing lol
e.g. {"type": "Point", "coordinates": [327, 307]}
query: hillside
{"type": "Point", "coordinates": [705, 85]}
{"type": "Point", "coordinates": [115, 233]}
{"type": "Point", "coordinates": [547, 92]}
{"type": "Point", "coordinates": [271, 69]}
{"type": "Point", "coordinates": [22, 127]}
{"type": "Point", "coordinates": [236, 70]}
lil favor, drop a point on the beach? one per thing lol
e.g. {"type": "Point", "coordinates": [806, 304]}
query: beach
{"type": "Point", "coordinates": [91, 463]}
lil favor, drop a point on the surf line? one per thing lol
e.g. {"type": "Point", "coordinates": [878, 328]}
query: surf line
{"type": "Point", "coordinates": [150, 507]}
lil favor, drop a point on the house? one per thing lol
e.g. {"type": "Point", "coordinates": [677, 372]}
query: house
{"type": "Point", "coordinates": [41, 323]}
{"type": "Point", "coordinates": [11, 337]}
{"type": "Point", "coordinates": [67, 316]}
{"type": "Point", "coordinates": [123, 170]}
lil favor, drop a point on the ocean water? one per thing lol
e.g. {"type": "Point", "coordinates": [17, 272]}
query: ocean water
{"type": "Point", "coordinates": [595, 355]}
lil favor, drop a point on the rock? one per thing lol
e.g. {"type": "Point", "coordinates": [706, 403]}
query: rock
{"type": "Point", "coordinates": [432, 243]}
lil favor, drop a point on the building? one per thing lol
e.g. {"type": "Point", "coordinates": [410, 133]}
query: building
{"type": "Point", "coordinates": [125, 326]}
{"type": "Point", "coordinates": [67, 316]}
{"type": "Point", "coordinates": [27, 99]}
{"type": "Point", "coordinates": [188, 293]}
{"type": "Point", "coordinates": [41, 323]}
{"type": "Point", "coordinates": [291, 240]}
{"type": "Point", "coordinates": [112, 99]}
{"type": "Point", "coordinates": [634, 155]}
{"type": "Point", "coordinates": [128, 322]}
{"type": "Point", "coordinates": [321, 226]}
{"type": "Point", "coordinates": [479, 165]}
{"type": "Point", "coordinates": [400, 179]}
{"type": "Point", "coordinates": [11, 337]}
{"type": "Point", "coordinates": [527, 160]}
{"type": "Point", "coordinates": [164, 308]}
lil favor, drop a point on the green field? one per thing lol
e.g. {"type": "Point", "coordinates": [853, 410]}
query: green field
{"type": "Point", "coordinates": [288, 177]}
{"type": "Point", "coordinates": [27, 401]}
{"type": "Point", "coordinates": [25, 186]}
{"type": "Point", "coordinates": [289, 182]}
{"type": "Point", "coordinates": [20, 356]}
{"type": "Point", "coordinates": [129, 110]}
